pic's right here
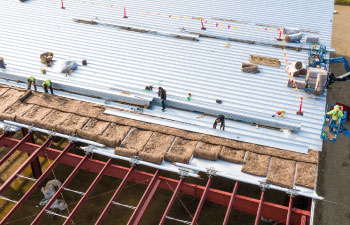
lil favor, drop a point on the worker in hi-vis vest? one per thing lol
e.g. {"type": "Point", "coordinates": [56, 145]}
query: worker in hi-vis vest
{"type": "Point", "coordinates": [47, 84]}
{"type": "Point", "coordinates": [31, 80]}
{"type": "Point", "coordinates": [335, 114]}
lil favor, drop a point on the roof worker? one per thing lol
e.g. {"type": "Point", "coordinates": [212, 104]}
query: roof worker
{"type": "Point", "coordinates": [335, 114]}
{"type": "Point", "coordinates": [31, 80]}
{"type": "Point", "coordinates": [47, 84]}
{"type": "Point", "coordinates": [162, 96]}
{"type": "Point", "coordinates": [220, 119]}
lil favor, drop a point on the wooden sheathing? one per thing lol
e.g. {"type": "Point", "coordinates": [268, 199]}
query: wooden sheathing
{"type": "Point", "coordinates": [156, 147]}
{"type": "Point", "coordinates": [134, 142]}
{"type": "Point", "coordinates": [93, 129]}
{"type": "Point", "coordinates": [33, 116]}
{"type": "Point", "coordinates": [256, 164]}
{"type": "Point", "coordinates": [232, 155]}
{"type": "Point", "coordinates": [207, 151]}
{"type": "Point", "coordinates": [305, 176]}
{"type": "Point", "coordinates": [181, 151]}
{"type": "Point", "coordinates": [113, 135]}
{"type": "Point", "coordinates": [281, 172]}
{"type": "Point", "coordinates": [72, 124]}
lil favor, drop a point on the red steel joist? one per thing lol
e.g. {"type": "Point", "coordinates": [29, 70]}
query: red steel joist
{"type": "Point", "coordinates": [245, 204]}
{"type": "Point", "coordinates": [230, 204]}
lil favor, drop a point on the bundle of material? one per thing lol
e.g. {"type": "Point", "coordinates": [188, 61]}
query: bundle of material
{"type": "Point", "coordinates": [312, 39]}
{"type": "Point", "coordinates": [296, 69]}
{"type": "Point", "coordinates": [46, 58]}
{"type": "Point", "coordinates": [262, 60]}
{"type": "Point", "coordinates": [291, 30]}
{"type": "Point", "coordinates": [181, 151]}
{"type": "Point", "coordinates": [300, 84]}
{"type": "Point", "coordinates": [207, 151]}
{"type": "Point", "coordinates": [293, 37]}
{"type": "Point", "coordinates": [312, 75]}
{"type": "Point", "coordinates": [249, 67]}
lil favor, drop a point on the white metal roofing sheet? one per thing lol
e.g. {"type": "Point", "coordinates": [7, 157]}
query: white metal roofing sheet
{"type": "Point", "coordinates": [126, 60]}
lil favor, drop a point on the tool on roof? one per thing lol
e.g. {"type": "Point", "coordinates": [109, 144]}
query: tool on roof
{"type": "Point", "coordinates": [334, 123]}
{"type": "Point", "coordinates": [84, 62]}
{"type": "Point", "coordinates": [149, 88]}
{"type": "Point", "coordinates": [279, 113]}
{"type": "Point", "coordinates": [2, 63]}
{"type": "Point", "coordinates": [42, 70]}
{"type": "Point", "coordinates": [218, 101]}
{"type": "Point", "coordinates": [249, 67]}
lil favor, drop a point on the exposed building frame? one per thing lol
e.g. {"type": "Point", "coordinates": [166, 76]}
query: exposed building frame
{"type": "Point", "coordinates": [260, 208]}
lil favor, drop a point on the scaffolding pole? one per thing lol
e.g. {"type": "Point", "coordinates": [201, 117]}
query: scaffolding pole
{"type": "Point", "coordinates": [36, 184]}
{"type": "Point", "coordinates": [115, 195]}
{"type": "Point", "coordinates": [171, 202]}
{"type": "Point", "coordinates": [230, 204]}
{"type": "Point", "coordinates": [66, 182]}
{"type": "Point", "coordinates": [200, 205]}
{"type": "Point", "coordinates": [24, 165]}
{"type": "Point", "coordinates": [88, 192]}
{"type": "Point", "coordinates": [145, 200]}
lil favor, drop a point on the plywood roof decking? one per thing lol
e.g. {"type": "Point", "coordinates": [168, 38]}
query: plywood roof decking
{"type": "Point", "coordinates": [140, 135]}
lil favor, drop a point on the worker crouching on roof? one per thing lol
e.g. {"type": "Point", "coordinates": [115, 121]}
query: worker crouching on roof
{"type": "Point", "coordinates": [162, 96]}
{"type": "Point", "coordinates": [220, 119]}
{"type": "Point", "coordinates": [31, 80]}
{"type": "Point", "coordinates": [335, 114]}
{"type": "Point", "coordinates": [47, 84]}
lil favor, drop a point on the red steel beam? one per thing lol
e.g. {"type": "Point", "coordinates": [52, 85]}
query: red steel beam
{"type": "Point", "coordinates": [303, 220]}
{"type": "Point", "coordinates": [258, 213]}
{"type": "Point", "coordinates": [242, 203]}
{"type": "Point", "coordinates": [230, 204]}
{"type": "Point", "coordinates": [24, 165]}
{"type": "Point", "coordinates": [115, 195]}
{"type": "Point", "coordinates": [289, 215]}
{"type": "Point", "coordinates": [201, 202]}
{"type": "Point", "coordinates": [88, 192]}
{"type": "Point", "coordinates": [14, 148]}
{"type": "Point", "coordinates": [66, 182]}
{"type": "Point", "coordinates": [36, 184]}
{"type": "Point", "coordinates": [145, 200]}
{"type": "Point", "coordinates": [171, 202]}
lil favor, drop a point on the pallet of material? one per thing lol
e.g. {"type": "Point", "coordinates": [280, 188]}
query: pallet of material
{"type": "Point", "coordinates": [281, 172]}
{"type": "Point", "coordinates": [53, 119]}
{"type": "Point", "coordinates": [93, 129]}
{"type": "Point", "coordinates": [113, 135]}
{"type": "Point", "coordinates": [256, 164]}
{"type": "Point", "coordinates": [72, 124]}
{"type": "Point", "coordinates": [207, 151]}
{"type": "Point", "coordinates": [34, 115]}
{"type": "Point", "coordinates": [232, 155]}
{"type": "Point", "coordinates": [305, 176]}
{"type": "Point", "coordinates": [156, 148]}
{"type": "Point", "coordinates": [133, 143]}
{"type": "Point", "coordinates": [263, 60]}
{"type": "Point", "coordinates": [181, 151]}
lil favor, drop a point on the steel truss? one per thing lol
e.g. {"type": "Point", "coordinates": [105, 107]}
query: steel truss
{"type": "Point", "coordinates": [259, 207]}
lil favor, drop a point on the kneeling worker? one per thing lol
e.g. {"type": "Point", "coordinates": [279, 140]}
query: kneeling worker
{"type": "Point", "coordinates": [220, 119]}
{"type": "Point", "coordinates": [31, 80]}
{"type": "Point", "coordinates": [47, 84]}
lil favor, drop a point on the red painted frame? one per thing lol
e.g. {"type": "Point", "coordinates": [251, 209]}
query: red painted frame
{"type": "Point", "coordinates": [245, 204]}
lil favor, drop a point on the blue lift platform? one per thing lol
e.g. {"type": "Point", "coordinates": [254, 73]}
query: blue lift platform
{"type": "Point", "coordinates": [332, 135]}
